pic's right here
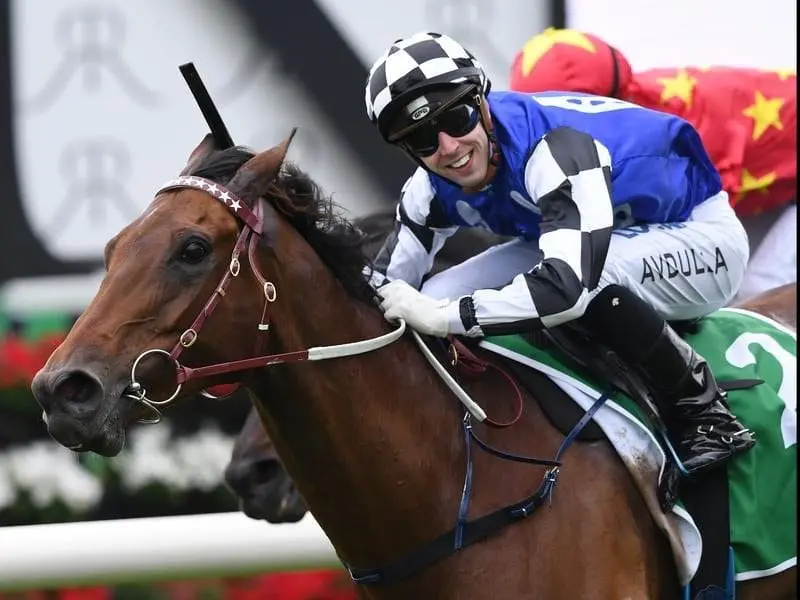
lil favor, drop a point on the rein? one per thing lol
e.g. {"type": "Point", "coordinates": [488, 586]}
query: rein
{"type": "Point", "coordinates": [465, 532]}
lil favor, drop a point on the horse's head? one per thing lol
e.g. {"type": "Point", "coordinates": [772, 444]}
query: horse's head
{"type": "Point", "coordinates": [256, 475]}
{"type": "Point", "coordinates": [166, 272]}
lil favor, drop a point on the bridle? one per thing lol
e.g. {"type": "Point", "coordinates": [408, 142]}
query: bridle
{"type": "Point", "coordinates": [252, 230]}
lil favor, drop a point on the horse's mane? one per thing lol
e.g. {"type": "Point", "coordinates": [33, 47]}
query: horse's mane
{"type": "Point", "coordinates": [315, 216]}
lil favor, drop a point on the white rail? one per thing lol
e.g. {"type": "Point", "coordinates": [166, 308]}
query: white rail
{"type": "Point", "coordinates": [138, 550]}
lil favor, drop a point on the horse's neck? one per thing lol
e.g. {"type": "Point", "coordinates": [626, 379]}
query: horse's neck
{"type": "Point", "coordinates": [362, 436]}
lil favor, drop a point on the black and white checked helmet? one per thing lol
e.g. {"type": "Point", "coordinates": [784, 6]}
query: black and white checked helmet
{"type": "Point", "coordinates": [412, 65]}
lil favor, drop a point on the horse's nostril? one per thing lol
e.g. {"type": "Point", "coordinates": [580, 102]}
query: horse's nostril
{"type": "Point", "coordinates": [264, 471]}
{"type": "Point", "coordinates": [245, 478]}
{"type": "Point", "coordinates": [62, 388]}
{"type": "Point", "coordinates": [77, 387]}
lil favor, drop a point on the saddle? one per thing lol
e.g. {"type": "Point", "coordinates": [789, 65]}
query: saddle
{"type": "Point", "coordinates": [578, 348]}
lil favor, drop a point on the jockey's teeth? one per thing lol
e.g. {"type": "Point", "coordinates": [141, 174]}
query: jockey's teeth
{"type": "Point", "coordinates": [461, 161]}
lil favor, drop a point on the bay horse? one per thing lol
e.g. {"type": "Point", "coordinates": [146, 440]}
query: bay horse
{"type": "Point", "coordinates": [779, 304]}
{"type": "Point", "coordinates": [370, 434]}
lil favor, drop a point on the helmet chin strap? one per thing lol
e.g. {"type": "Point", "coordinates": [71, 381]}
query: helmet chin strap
{"type": "Point", "coordinates": [494, 149]}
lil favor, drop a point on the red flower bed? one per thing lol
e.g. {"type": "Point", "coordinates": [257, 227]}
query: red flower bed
{"type": "Point", "coordinates": [323, 584]}
{"type": "Point", "coordinates": [20, 359]}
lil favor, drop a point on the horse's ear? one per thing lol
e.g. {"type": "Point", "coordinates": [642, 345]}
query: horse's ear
{"type": "Point", "coordinates": [252, 179]}
{"type": "Point", "coordinates": [206, 146]}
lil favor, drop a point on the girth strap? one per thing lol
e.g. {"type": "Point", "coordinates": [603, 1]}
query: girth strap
{"type": "Point", "coordinates": [470, 532]}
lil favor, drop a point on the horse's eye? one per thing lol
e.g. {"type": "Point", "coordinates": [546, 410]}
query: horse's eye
{"type": "Point", "coordinates": [194, 251]}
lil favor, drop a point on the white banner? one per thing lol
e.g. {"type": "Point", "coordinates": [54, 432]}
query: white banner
{"type": "Point", "coordinates": [103, 117]}
{"type": "Point", "coordinates": [655, 33]}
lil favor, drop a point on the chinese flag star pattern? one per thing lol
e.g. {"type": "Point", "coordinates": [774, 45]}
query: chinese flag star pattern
{"type": "Point", "coordinates": [747, 118]}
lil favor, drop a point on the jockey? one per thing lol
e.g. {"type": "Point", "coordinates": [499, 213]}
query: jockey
{"type": "Point", "coordinates": [747, 119]}
{"type": "Point", "coordinates": [618, 217]}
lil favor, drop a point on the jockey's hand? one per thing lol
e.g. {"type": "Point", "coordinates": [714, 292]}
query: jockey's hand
{"type": "Point", "coordinates": [422, 313]}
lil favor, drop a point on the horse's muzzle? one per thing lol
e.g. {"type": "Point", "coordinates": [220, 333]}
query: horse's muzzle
{"type": "Point", "coordinates": [70, 399]}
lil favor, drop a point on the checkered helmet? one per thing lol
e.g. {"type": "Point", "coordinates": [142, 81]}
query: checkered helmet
{"type": "Point", "coordinates": [414, 65]}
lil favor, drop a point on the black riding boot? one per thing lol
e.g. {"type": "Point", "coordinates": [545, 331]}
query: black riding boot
{"type": "Point", "coordinates": [689, 400]}
{"type": "Point", "coordinates": [710, 434]}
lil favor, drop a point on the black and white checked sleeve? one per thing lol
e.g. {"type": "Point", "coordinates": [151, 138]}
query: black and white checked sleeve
{"type": "Point", "coordinates": [421, 230]}
{"type": "Point", "coordinates": [569, 176]}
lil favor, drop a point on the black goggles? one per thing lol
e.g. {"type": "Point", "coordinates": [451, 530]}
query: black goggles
{"type": "Point", "coordinates": [456, 121]}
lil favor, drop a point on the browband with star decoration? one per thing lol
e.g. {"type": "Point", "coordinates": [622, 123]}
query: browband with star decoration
{"type": "Point", "coordinates": [218, 191]}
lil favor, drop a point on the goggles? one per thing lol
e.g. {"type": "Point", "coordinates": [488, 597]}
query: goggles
{"type": "Point", "coordinates": [456, 121]}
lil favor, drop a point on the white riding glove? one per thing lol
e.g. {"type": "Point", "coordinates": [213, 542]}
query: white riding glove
{"type": "Point", "coordinates": [424, 314]}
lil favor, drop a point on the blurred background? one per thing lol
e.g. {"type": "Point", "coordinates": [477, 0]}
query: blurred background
{"type": "Point", "coordinates": [94, 116]}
